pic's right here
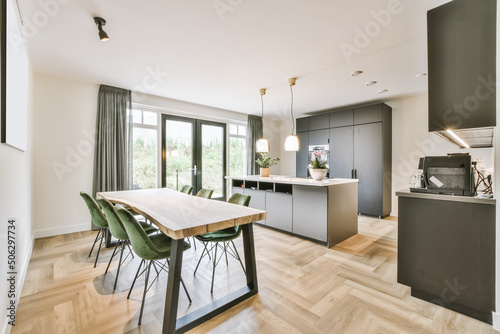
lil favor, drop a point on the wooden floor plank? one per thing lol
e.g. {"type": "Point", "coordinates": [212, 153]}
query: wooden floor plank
{"type": "Point", "coordinates": [303, 288]}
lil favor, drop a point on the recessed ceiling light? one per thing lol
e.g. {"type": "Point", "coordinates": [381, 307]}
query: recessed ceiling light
{"type": "Point", "coordinates": [356, 73]}
{"type": "Point", "coordinates": [370, 83]}
{"type": "Point", "coordinates": [383, 91]}
{"type": "Point", "coordinates": [420, 75]}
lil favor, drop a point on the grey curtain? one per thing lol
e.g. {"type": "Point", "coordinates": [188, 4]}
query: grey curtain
{"type": "Point", "coordinates": [113, 158]}
{"type": "Point", "coordinates": [254, 132]}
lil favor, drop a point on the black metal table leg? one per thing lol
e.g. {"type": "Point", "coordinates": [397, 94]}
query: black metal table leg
{"type": "Point", "coordinates": [172, 325]}
{"type": "Point", "coordinates": [173, 282]}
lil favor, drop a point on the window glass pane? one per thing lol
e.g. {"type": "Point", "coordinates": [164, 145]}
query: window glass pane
{"type": "Point", "coordinates": [212, 158]}
{"type": "Point", "coordinates": [179, 154]}
{"type": "Point", "coordinates": [233, 129]}
{"type": "Point", "coordinates": [236, 156]}
{"type": "Point", "coordinates": [242, 130]}
{"type": "Point", "coordinates": [137, 116]}
{"type": "Point", "coordinates": [150, 118]}
{"type": "Point", "coordinates": [144, 153]}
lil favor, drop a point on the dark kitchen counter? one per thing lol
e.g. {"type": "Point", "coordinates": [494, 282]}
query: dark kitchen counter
{"type": "Point", "coordinates": [464, 199]}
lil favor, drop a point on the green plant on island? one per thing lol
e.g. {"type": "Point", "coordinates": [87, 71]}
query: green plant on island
{"type": "Point", "coordinates": [265, 161]}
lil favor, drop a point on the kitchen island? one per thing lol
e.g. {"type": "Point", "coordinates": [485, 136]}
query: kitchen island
{"type": "Point", "coordinates": [322, 211]}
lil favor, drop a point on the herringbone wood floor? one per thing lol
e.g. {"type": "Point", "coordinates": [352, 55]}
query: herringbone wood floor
{"type": "Point", "coordinates": [303, 288]}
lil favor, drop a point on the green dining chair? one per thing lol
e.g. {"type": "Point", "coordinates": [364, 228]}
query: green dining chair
{"type": "Point", "coordinates": [205, 193]}
{"type": "Point", "coordinates": [118, 231]}
{"type": "Point", "coordinates": [224, 237]}
{"type": "Point", "coordinates": [187, 189]}
{"type": "Point", "coordinates": [151, 249]}
{"type": "Point", "coordinates": [99, 220]}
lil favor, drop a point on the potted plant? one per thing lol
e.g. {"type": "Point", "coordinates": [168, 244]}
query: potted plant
{"type": "Point", "coordinates": [265, 162]}
{"type": "Point", "coordinates": [317, 165]}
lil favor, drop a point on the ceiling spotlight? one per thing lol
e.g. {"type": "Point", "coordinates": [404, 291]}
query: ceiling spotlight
{"type": "Point", "coordinates": [383, 91]}
{"type": "Point", "coordinates": [420, 75]}
{"type": "Point", "coordinates": [356, 73]}
{"type": "Point", "coordinates": [100, 22]}
{"type": "Point", "coordinates": [370, 83]}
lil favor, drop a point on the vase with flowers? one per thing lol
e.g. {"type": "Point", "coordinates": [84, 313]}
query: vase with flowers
{"type": "Point", "coordinates": [317, 165]}
{"type": "Point", "coordinates": [266, 162]}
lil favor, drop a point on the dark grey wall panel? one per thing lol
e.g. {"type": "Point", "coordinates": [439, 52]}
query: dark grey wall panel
{"type": "Point", "coordinates": [368, 114]}
{"type": "Point", "coordinates": [302, 156]}
{"type": "Point", "coordinates": [341, 118]}
{"type": "Point", "coordinates": [462, 65]}
{"type": "Point", "coordinates": [368, 164]}
{"type": "Point", "coordinates": [446, 254]}
{"type": "Point", "coordinates": [342, 152]}
{"type": "Point", "coordinates": [303, 124]}
{"type": "Point", "coordinates": [319, 122]}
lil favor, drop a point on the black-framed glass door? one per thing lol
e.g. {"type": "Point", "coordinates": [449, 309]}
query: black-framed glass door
{"type": "Point", "coordinates": [194, 153]}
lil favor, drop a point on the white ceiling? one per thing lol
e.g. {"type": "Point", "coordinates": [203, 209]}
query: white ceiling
{"type": "Point", "coordinates": [221, 52]}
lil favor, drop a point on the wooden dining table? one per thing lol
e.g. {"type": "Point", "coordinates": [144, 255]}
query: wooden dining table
{"type": "Point", "coordinates": [179, 215]}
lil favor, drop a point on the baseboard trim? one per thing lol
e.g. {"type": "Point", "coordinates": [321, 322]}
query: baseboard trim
{"type": "Point", "coordinates": [496, 321]}
{"type": "Point", "coordinates": [49, 232]}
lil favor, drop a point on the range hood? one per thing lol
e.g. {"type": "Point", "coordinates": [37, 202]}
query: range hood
{"type": "Point", "coordinates": [469, 138]}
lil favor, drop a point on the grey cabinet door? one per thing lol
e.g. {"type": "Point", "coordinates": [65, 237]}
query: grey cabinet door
{"type": "Point", "coordinates": [302, 156]}
{"type": "Point", "coordinates": [279, 211]}
{"type": "Point", "coordinates": [319, 137]}
{"type": "Point", "coordinates": [368, 165]}
{"type": "Point", "coordinates": [341, 152]}
{"type": "Point", "coordinates": [368, 114]}
{"type": "Point", "coordinates": [237, 190]}
{"type": "Point", "coordinates": [257, 201]}
{"type": "Point", "coordinates": [310, 212]}
{"type": "Point", "coordinates": [302, 124]}
{"type": "Point", "coordinates": [341, 118]}
{"type": "Point", "coordinates": [319, 122]}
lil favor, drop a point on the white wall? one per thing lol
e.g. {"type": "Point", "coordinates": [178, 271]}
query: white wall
{"type": "Point", "coordinates": [411, 140]}
{"type": "Point", "coordinates": [65, 116]}
{"type": "Point", "coordinates": [16, 202]}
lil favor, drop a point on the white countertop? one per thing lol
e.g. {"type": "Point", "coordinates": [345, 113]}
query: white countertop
{"type": "Point", "coordinates": [440, 197]}
{"type": "Point", "coordinates": [293, 180]}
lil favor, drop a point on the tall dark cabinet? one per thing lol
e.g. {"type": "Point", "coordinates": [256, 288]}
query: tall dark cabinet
{"type": "Point", "coordinates": [360, 140]}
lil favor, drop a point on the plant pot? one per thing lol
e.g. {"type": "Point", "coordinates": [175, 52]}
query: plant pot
{"type": "Point", "coordinates": [264, 172]}
{"type": "Point", "coordinates": [318, 174]}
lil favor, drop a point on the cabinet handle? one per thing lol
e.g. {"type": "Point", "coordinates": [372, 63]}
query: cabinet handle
{"type": "Point", "coordinates": [352, 173]}
{"type": "Point", "coordinates": [355, 173]}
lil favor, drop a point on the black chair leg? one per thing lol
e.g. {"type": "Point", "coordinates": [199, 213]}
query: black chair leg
{"type": "Point", "coordinates": [187, 293]}
{"type": "Point", "coordinates": [135, 278]}
{"type": "Point", "coordinates": [112, 255]}
{"type": "Point", "coordinates": [103, 235]}
{"type": "Point", "coordinates": [238, 257]}
{"type": "Point", "coordinates": [95, 241]}
{"type": "Point", "coordinates": [119, 265]}
{"type": "Point", "coordinates": [201, 257]}
{"type": "Point", "coordinates": [144, 293]}
{"type": "Point", "coordinates": [225, 252]}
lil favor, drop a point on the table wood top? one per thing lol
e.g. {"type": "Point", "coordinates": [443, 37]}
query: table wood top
{"type": "Point", "coordinates": [179, 215]}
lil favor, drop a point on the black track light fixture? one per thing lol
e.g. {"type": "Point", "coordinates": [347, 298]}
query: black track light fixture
{"type": "Point", "coordinates": [100, 22]}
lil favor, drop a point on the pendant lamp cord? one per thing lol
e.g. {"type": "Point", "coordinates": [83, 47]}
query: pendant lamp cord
{"type": "Point", "coordinates": [262, 102]}
{"type": "Point", "coordinates": [291, 110]}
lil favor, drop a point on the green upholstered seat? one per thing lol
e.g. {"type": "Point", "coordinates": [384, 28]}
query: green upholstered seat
{"type": "Point", "coordinates": [186, 189]}
{"type": "Point", "coordinates": [225, 236]}
{"type": "Point", "coordinates": [205, 193]}
{"type": "Point", "coordinates": [149, 248]}
{"type": "Point", "coordinates": [99, 219]}
{"type": "Point", "coordinates": [118, 231]}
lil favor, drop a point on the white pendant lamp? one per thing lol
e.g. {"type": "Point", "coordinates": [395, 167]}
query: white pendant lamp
{"type": "Point", "coordinates": [262, 145]}
{"type": "Point", "coordinates": [292, 142]}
